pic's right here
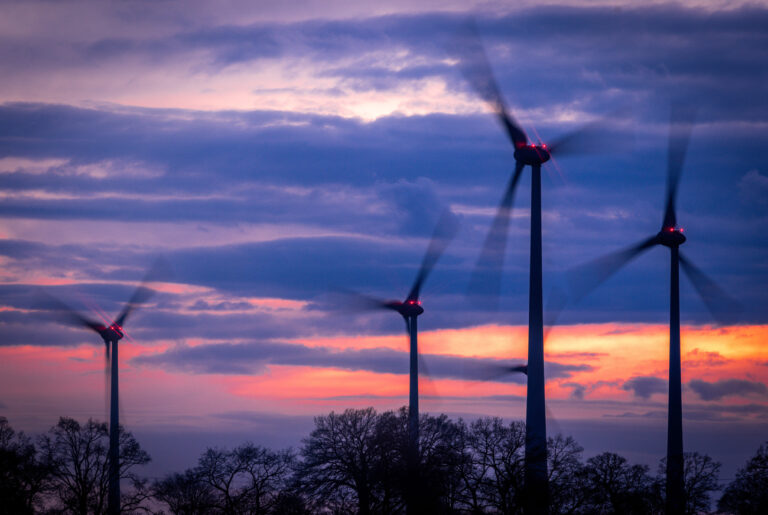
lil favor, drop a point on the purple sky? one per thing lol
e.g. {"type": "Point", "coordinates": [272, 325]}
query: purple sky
{"type": "Point", "coordinates": [274, 153]}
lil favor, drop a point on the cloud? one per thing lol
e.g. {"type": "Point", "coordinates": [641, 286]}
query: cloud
{"type": "Point", "coordinates": [249, 358]}
{"type": "Point", "coordinates": [578, 390]}
{"type": "Point", "coordinates": [645, 386]}
{"type": "Point", "coordinates": [713, 391]}
{"type": "Point", "coordinates": [753, 188]}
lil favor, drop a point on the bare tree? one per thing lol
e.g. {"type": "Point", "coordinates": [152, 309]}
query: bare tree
{"type": "Point", "coordinates": [247, 479]}
{"type": "Point", "coordinates": [747, 494]}
{"type": "Point", "coordinates": [498, 455]}
{"type": "Point", "coordinates": [185, 494]}
{"type": "Point", "coordinates": [77, 457]}
{"type": "Point", "coordinates": [22, 475]}
{"type": "Point", "coordinates": [567, 482]}
{"type": "Point", "coordinates": [615, 486]}
{"type": "Point", "coordinates": [342, 459]}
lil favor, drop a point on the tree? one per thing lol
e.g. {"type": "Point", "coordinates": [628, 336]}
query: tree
{"type": "Point", "coordinates": [247, 479]}
{"type": "Point", "coordinates": [747, 494]}
{"type": "Point", "coordinates": [185, 494]}
{"type": "Point", "coordinates": [496, 478]}
{"type": "Point", "coordinates": [442, 456]}
{"type": "Point", "coordinates": [22, 475]}
{"type": "Point", "coordinates": [567, 484]}
{"type": "Point", "coordinates": [615, 486]}
{"type": "Point", "coordinates": [77, 458]}
{"type": "Point", "coordinates": [700, 477]}
{"type": "Point", "coordinates": [343, 459]}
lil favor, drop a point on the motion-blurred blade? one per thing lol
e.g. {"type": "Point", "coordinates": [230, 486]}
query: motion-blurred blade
{"type": "Point", "coordinates": [491, 261]}
{"type": "Point", "coordinates": [556, 302]}
{"type": "Point", "coordinates": [477, 71]}
{"type": "Point", "coordinates": [591, 138]}
{"type": "Point", "coordinates": [348, 300]}
{"type": "Point", "coordinates": [444, 232]}
{"type": "Point", "coordinates": [585, 278]}
{"type": "Point", "coordinates": [427, 384]}
{"type": "Point", "coordinates": [67, 315]}
{"type": "Point", "coordinates": [724, 308]}
{"type": "Point", "coordinates": [681, 125]}
{"type": "Point", "coordinates": [496, 372]}
{"type": "Point", "coordinates": [142, 294]}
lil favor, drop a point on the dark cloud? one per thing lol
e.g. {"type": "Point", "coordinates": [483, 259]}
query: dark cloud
{"type": "Point", "coordinates": [383, 182]}
{"type": "Point", "coordinates": [645, 386]}
{"type": "Point", "coordinates": [578, 390]}
{"type": "Point", "coordinates": [226, 358]}
{"type": "Point", "coordinates": [713, 391]}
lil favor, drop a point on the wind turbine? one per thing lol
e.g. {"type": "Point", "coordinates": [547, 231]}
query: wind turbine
{"type": "Point", "coordinates": [587, 277]}
{"type": "Point", "coordinates": [478, 73]}
{"type": "Point", "coordinates": [111, 334]}
{"type": "Point", "coordinates": [410, 309]}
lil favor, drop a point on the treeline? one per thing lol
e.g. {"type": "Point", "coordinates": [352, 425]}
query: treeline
{"type": "Point", "coordinates": [354, 462]}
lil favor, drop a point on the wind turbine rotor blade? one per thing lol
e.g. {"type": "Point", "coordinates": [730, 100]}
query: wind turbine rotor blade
{"type": "Point", "coordinates": [491, 260]}
{"type": "Point", "coordinates": [69, 316]}
{"type": "Point", "coordinates": [585, 278]}
{"type": "Point", "coordinates": [444, 232]}
{"type": "Point", "coordinates": [494, 372]}
{"type": "Point", "coordinates": [724, 308]}
{"type": "Point", "coordinates": [681, 125]}
{"type": "Point", "coordinates": [349, 300]}
{"type": "Point", "coordinates": [479, 74]}
{"type": "Point", "coordinates": [142, 294]}
{"type": "Point", "coordinates": [556, 302]}
{"type": "Point", "coordinates": [591, 138]}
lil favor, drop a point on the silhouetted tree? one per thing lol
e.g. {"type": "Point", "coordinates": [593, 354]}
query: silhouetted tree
{"type": "Point", "coordinates": [22, 475]}
{"type": "Point", "coordinates": [748, 493]}
{"type": "Point", "coordinates": [185, 494]}
{"type": "Point", "coordinates": [615, 486]}
{"type": "Point", "coordinates": [700, 478]}
{"type": "Point", "coordinates": [247, 479]}
{"type": "Point", "coordinates": [441, 458]}
{"type": "Point", "coordinates": [567, 480]}
{"type": "Point", "coordinates": [77, 458]}
{"type": "Point", "coordinates": [495, 479]}
{"type": "Point", "coordinates": [344, 458]}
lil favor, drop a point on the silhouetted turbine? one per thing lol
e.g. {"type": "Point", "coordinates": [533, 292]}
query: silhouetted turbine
{"type": "Point", "coordinates": [111, 334]}
{"type": "Point", "coordinates": [478, 72]}
{"type": "Point", "coordinates": [587, 277]}
{"type": "Point", "coordinates": [410, 309]}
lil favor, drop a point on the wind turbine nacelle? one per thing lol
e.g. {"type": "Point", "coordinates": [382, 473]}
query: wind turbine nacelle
{"type": "Point", "coordinates": [409, 308]}
{"type": "Point", "coordinates": [532, 154]}
{"type": "Point", "coordinates": [112, 333]}
{"type": "Point", "coordinates": [671, 237]}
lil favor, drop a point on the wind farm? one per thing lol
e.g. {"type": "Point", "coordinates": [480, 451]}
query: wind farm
{"type": "Point", "coordinates": [276, 155]}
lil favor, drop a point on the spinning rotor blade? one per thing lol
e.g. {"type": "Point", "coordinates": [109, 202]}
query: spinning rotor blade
{"type": "Point", "coordinates": [444, 232]}
{"type": "Point", "coordinates": [724, 309]}
{"type": "Point", "coordinates": [142, 293]}
{"type": "Point", "coordinates": [590, 138]}
{"type": "Point", "coordinates": [352, 300]}
{"type": "Point", "coordinates": [70, 316]}
{"type": "Point", "coordinates": [681, 125]}
{"type": "Point", "coordinates": [585, 278]}
{"type": "Point", "coordinates": [477, 71]}
{"type": "Point", "coordinates": [491, 258]}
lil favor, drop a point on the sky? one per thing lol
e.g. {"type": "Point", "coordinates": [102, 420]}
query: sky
{"type": "Point", "coordinates": [274, 154]}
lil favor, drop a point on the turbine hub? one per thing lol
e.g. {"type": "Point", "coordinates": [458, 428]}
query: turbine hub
{"type": "Point", "coordinates": [532, 154]}
{"type": "Point", "coordinates": [410, 308]}
{"type": "Point", "coordinates": [112, 333]}
{"type": "Point", "coordinates": [671, 236]}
